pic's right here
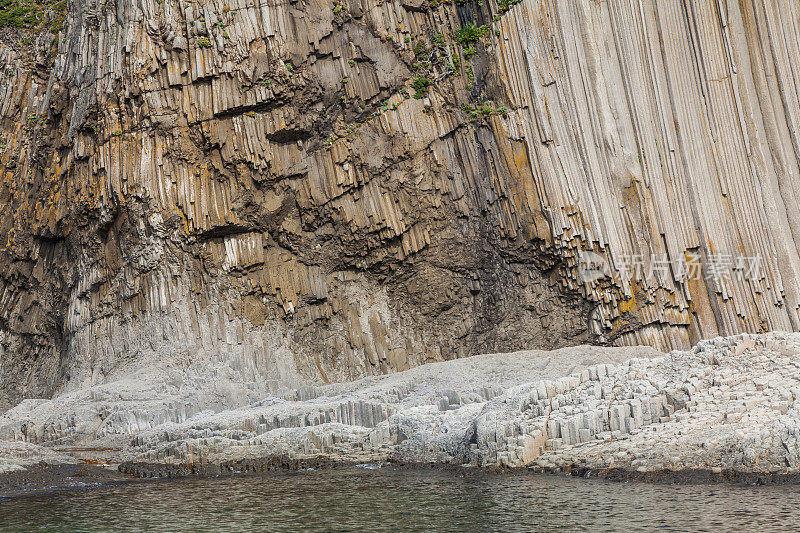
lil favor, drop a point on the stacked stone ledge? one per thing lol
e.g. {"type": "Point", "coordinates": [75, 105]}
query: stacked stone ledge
{"type": "Point", "coordinates": [728, 404]}
{"type": "Point", "coordinates": [603, 416]}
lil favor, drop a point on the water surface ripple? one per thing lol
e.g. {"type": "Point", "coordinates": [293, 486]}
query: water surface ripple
{"type": "Point", "coordinates": [394, 499]}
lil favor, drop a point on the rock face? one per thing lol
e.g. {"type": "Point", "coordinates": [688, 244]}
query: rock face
{"type": "Point", "coordinates": [305, 192]}
{"type": "Point", "coordinates": [424, 414]}
{"type": "Point", "coordinates": [17, 455]}
{"type": "Point", "coordinates": [727, 405]}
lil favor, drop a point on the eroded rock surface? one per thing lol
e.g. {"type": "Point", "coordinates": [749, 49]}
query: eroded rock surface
{"type": "Point", "coordinates": [727, 405]}
{"type": "Point", "coordinates": [108, 415]}
{"type": "Point", "coordinates": [301, 192]}
{"type": "Point", "coordinates": [18, 455]}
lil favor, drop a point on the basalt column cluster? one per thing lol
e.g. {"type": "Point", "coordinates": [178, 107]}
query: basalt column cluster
{"type": "Point", "coordinates": [292, 192]}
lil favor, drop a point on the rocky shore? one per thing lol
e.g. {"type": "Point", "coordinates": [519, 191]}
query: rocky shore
{"type": "Point", "coordinates": [725, 410]}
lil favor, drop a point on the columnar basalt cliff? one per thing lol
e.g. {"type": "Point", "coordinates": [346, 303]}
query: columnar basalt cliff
{"type": "Point", "coordinates": [294, 192]}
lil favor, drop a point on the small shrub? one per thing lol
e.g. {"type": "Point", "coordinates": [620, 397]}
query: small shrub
{"type": "Point", "coordinates": [420, 86]}
{"type": "Point", "coordinates": [485, 109]}
{"type": "Point", "coordinates": [470, 33]}
{"type": "Point", "coordinates": [204, 42]}
{"type": "Point", "coordinates": [505, 5]}
{"type": "Point", "coordinates": [421, 52]}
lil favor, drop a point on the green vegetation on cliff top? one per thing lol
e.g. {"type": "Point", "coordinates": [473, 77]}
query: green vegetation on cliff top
{"type": "Point", "coordinates": [33, 15]}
